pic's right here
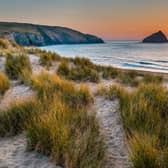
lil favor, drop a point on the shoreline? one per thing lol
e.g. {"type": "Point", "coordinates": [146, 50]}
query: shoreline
{"type": "Point", "coordinates": [121, 69]}
{"type": "Point", "coordinates": [116, 53]}
{"type": "Point", "coordinates": [164, 74]}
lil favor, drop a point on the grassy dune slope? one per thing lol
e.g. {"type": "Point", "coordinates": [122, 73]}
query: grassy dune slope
{"type": "Point", "coordinates": [58, 121]}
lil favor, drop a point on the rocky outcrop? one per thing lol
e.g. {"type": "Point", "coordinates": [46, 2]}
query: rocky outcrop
{"type": "Point", "coordinates": [40, 35]}
{"type": "Point", "coordinates": [158, 37]}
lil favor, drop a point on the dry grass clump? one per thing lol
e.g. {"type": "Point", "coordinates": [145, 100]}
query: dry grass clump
{"type": "Point", "coordinates": [4, 83]}
{"type": "Point", "coordinates": [65, 131]}
{"type": "Point", "coordinates": [145, 153]}
{"type": "Point", "coordinates": [48, 85]}
{"type": "Point", "coordinates": [152, 79]}
{"type": "Point", "coordinates": [69, 136]}
{"type": "Point", "coordinates": [46, 60]}
{"type": "Point", "coordinates": [109, 72]}
{"type": "Point", "coordinates": [102, 91]}
{"type": "Point", "coordinates": [46, 57]}
{"type": "Point", "coordinates": [4, 44]}
{"type": "Point", "coordinates": [146, 109]}
{"type": "Point", "coordinates": [83, 70]}
{"type": "Point", "coordinates": [14, 119]}
{"type": "Point", "coordinates": [81, 61]}
{"type": "Point", "coordinates": [129, 78]}
{"type": "Point", "coordinates": [15, 45]}
{"type": "Point", "coordinates": [64, 69]}
{"type": "Point", "coordinates": [18, 67]}
{"type": "Point", "coordinates": [84, 74]}
{"type": "Point", "coordinates": [145, 114]}
{"type": "Point", "coordinates": [33, 50]}
{"type": "Point", "coordinates": [115, 91]}
{"type": "Point", "coordinates": [57, 123]}
{"type": "Point", "coordinates": [112, 92]}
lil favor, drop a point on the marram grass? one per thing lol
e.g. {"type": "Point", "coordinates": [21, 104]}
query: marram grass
{"type": "Point", "coordinates": [14, 119]}
{"type": "Point", "coordinates": [47, 85]}
{"type": "Point", "coordinates": [65, 130]}
{"type": "Point", "coordinates": [69, 136]}
{"type": "Point", "coordinates": [18, 67]}
{"type": "Point", "coordinates": [4, 44]}
{"type": "Point", "coordinates": [4, 83]}
{"type": "Point", "coordinates": [57, 123]}
{"type": "Point", "coordinates": [83, 70]}
{"type": "Point", "coordinates": [144, 113]}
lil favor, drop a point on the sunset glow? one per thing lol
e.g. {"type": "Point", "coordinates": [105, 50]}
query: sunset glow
{"type": "Point", "coordinates": [84, 83]}
{"type": "Point", "coordinates": [110, 19]}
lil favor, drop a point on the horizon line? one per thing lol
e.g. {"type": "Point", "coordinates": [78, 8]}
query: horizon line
{"type": "Point", "coordinates": [71, 28]}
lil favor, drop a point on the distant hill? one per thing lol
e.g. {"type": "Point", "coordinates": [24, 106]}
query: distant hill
{"type": "Point", "coordinates": [158, 37]}
{"type": "Point", "coordinates": [39, 35]}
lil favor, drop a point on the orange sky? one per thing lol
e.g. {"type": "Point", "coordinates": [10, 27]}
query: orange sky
{"type": "Point", "coordinates": [109, 19]}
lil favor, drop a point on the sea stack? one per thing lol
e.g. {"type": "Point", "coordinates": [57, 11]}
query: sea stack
{"type": "Point", "coordinates": [158, 37]}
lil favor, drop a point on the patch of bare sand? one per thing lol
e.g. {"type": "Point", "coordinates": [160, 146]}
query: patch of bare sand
{"type": "Point", "coordinates": [37, 68]}
{"type": "Point", "coordinates": [13, 154]}
{"type": "Point", "coordinates": [2, 63]}
{"type": "Point", "coordinates": [14, 94]}
{"type": "Point", "coordinates": [94, 86]}
{"type": "Point", "coordinates": [112, 130]}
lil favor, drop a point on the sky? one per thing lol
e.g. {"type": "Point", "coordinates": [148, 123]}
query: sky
{"type": "Point", "coordinates": [109, 19]}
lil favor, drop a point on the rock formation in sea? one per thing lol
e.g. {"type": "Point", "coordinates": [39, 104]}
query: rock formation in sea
{"type": "Point", "coordinates": [39, 35]}
{"type": "Point", "coordinates": [158, 37]}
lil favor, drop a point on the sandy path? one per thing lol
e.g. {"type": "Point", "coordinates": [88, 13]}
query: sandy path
{"type": "Point", "coordinates": [37, 68]}
{"type": "Point", "coordinates": [108, 114]}
{"type": "Point", "coordinates": [14, 94]}
{"type": "Point", "coordinates": [2, 63]}
{"type": "Point", "coordinates": [13, 155]}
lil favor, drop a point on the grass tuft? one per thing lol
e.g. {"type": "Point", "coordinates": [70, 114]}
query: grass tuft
{"type": "Point", "coordinates": [109, 72]}
{"type": "Point", "coordinates": [4, 83]}
{"type": "Point", "coordinates": [65, 131]}
{"type": "Point", "coordinates": [18, 67]}
{"type": "Point", "coordinates": [15, 118]}
{"type": "Point", "coordinates": [63, 69]}
{"type": "Point", "coordinates": [68, 136]}
{"type": "Point", "coordinates": [83, 70]}
{"type": "Point", "coordinates": [48, 85]}
{"type": "Point", "coordinates": [144, 111]}
{"type": "Point", "coordinates": [47, 59]}
{"type": "Point", "coordinates": [129, 78]}
{"type": "Point", "coordinates": [152, 79]}
{"type": "Point", "coordinates": [4, 44]}
{"type": "Point", "coordinates": [144, 152]}
{"type": "Point", "coordinates": [102, 91]}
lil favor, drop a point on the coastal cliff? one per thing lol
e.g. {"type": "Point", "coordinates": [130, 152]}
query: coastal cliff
{"type": "Point", "coordinates": [158, 37]}
{"type": "Point", "coordinates": [40, 35]}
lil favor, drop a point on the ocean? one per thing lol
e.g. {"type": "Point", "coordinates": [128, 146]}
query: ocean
{"type": "Point", "coordinates": [121, 54]}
